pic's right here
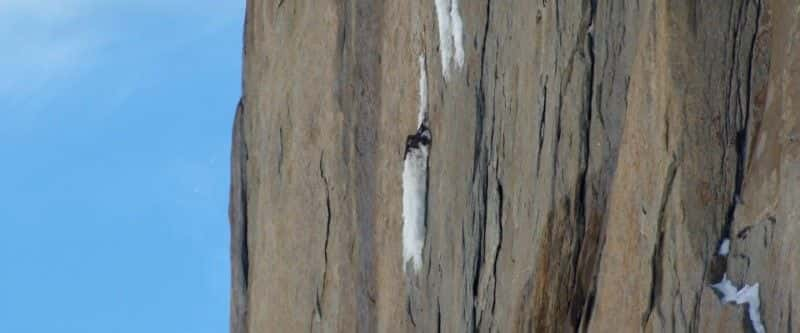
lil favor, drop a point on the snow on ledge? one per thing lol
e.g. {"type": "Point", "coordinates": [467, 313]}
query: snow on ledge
{"type": "Point", "coordinates": [726, 289]}
{"type": "Point", "coordinates": [747, 295]}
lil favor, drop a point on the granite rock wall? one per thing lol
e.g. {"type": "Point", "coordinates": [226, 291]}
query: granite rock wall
{"type": "Point", "coordinates": [588, 159]}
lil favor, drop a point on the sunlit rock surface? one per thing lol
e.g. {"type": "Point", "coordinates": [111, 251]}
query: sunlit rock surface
{"type": "Point", "coordinates": [589, 158]}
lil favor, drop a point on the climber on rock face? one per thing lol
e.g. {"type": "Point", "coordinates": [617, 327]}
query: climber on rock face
{"type": "Point", "coordinates": [418, 140]}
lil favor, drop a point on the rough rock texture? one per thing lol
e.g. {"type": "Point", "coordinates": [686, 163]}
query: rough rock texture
{"type": "Point", "coordinates": [587, 161]}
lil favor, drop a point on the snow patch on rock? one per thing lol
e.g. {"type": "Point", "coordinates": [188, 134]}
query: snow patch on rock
{"type": "Point", "coordinates": [445, 35]}
{"type": "Point", "coordinates": [415, 176]}
{"type": "Point", "coordinates": [747, 295]}
{"type": "Point", "coordinates": [724, 247]}
{"type": "Point", "coordinates": [726, 289]}
{"type": "Point", "coordinates": [415, 180]}
{"type": "Point", "coordinates": [451, 34]}
{"type": "Point", "coordinates": [458, 33]}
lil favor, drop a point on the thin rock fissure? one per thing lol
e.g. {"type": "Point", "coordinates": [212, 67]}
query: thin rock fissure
{"type": "Point", "coordinates": [577, 291]}
{"type": "Point", "coordinates": [657, 260]}
{"type": "Point", "coordinates": [328, 218]}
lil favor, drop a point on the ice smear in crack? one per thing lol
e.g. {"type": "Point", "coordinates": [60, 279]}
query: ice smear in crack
{"type": "Point", "coordinates": [457, 30]}
{"type": "Point", "coordinates": [724, 247]}
{"type": "Point", "coordinates": [422, 116]}
{"type": "Point", "coordinates": [747, 295]}
{"type": "Point", "coordinates": [451, 34]}
{"type": "Point", "coordinates": [415, 178]}
{"type": "Point", "coordinates": [445, 35]}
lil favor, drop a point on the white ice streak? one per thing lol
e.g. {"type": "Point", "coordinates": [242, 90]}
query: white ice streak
{"type": "Point", "coordinates": [445, 34]}
{"type": "Point", "coordinates": [458, 33]}
{"type": "Point", "coordinates": [415, 178]}
{"type": "Point", "coordinates": [724, 247]}
{"type": "Point", "coordinates": [747, 295]}
{"type": "Point", "coordinates": [451, 34]}
{"type": "Point", "coordinates": [414, 181]}
{"type": "Point", "coordinates": [423, 92]}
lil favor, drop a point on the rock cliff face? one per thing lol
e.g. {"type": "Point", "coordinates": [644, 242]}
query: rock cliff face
{"type": "Point", "coordinates": [588, 160]}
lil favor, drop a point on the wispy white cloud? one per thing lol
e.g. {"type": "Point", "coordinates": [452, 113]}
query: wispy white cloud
{"type": "Point", "coordinates": [42, 40]}
{"type": "Point", "coordinates": [47, 44]}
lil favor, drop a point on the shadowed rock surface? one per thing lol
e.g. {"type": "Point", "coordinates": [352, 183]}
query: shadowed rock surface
{"type": "Point", "coordinates": [587, 161]}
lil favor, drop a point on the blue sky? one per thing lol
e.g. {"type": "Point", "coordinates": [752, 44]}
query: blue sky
{"type": "Point", "coordinates": [115, 119]}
